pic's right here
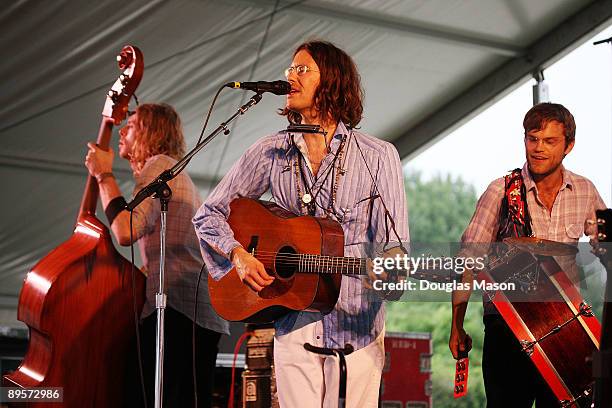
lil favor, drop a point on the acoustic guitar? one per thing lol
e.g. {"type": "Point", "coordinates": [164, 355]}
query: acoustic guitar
{"type": "Point", "coordinates": [303, 253]}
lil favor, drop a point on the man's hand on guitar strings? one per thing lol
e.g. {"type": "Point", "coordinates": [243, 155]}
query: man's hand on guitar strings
{"type": "Point", "coordinates": [391, 276]}
{"type": "Point", "coordinates": [250, 271]}
{"type": "Point", "coordinates": [371, 277]}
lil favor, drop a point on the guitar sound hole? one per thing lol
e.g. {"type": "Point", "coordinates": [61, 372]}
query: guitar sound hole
{"type": "Point", "coordinates": [286, 262]}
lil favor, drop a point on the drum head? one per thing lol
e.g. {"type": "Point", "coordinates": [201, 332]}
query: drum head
{"type": "Point", "coordinates": [539, 246]}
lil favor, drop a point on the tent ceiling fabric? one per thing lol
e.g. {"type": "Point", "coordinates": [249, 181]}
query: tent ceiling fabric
{"type": "Point", "coordinates": [59, 61]}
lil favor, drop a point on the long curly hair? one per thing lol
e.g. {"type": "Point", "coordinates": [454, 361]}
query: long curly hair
{"type": "Point", "coordinates": [159, 131]}
{"type": "Point", "coordinates": [339, 94]}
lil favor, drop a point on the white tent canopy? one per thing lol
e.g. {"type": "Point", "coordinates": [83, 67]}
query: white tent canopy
{"type": "Point", "coordinates": [426, 67]}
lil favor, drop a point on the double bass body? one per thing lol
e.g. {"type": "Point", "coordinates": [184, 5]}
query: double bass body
{"type": "Point", "coordinates": [78, 304]}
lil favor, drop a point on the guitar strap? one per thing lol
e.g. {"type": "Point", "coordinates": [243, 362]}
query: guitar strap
{"type": "Point", "coordinates": [514, 219]}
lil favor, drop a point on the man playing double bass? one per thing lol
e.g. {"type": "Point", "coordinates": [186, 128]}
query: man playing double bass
{"type": "Point", "coordinates": [342, 174]}
{"type": "Point", "coordinates": [558, 205]}
{"type": "Point", "coordinates": [152, 141]}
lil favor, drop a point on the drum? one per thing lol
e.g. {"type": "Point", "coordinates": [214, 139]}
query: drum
{"type": "Point", "coordinates": [548, 316]}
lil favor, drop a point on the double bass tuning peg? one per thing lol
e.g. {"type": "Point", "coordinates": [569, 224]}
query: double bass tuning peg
{"type": "Point", "coordinates": [113, 95]}
{"type": "Point", "coordinates": [124, 59]}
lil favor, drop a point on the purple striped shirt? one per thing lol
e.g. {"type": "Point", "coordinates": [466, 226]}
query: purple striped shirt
{"type": "Point", "coordinates": [268, 166]}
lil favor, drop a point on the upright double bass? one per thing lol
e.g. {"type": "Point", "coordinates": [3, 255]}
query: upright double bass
{"type": "Point", "coordinates": [80, 300]}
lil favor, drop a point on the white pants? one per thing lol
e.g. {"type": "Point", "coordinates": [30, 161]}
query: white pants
{"type": "Point", "coordinates": [309, 380]}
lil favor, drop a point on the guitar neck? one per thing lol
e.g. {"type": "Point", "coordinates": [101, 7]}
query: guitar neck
{"type": "Point", "coordinates": [314, 263]}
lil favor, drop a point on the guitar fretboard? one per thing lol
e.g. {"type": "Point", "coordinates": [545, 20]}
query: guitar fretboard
{"type": "Point", "coordinates": [308, 263]}
{"type": "Point", "coordinates": [315, 263]}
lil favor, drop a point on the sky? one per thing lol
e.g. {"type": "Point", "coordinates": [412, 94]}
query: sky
{"type": "Point", "coordinates": [491, 144]}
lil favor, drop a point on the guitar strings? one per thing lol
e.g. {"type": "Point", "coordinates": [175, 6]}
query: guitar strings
{"type": "Point", "coordinates": [321, 258]}
{"type": "Point", "coordinates": [302, 260]}
{"type": "Point", "coordinates": [335, 262]}
{"type": "Point", "coordinates": [322, 262]}
{"type": "Point", "coordinates": [304, 257]}
{"type": "Point", "coordinates": [307, 261]}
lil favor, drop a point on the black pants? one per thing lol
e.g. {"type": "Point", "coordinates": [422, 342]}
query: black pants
{"type": "Point", "coordinates": [510, 377]}
{"type": "Point", "coordinates": [178, 372]}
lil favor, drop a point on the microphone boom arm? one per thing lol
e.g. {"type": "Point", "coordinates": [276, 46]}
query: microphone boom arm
{"type": "Point", "coordinates": [159, 184]}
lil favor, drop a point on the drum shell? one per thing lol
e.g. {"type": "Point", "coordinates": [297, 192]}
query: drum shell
{"type": "Point", "coordinates": [561, 355]}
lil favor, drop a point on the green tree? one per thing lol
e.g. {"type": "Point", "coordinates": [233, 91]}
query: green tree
{"type": "Point", "coordinates": [439, 211]}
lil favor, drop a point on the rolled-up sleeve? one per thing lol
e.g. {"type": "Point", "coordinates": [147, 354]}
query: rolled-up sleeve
{"type": "Point", "coordinates": [249, 177]}
{"type": "Point", "coordinates": [485, 222]}
{"type": "Point", "coordinates": [482, 229]}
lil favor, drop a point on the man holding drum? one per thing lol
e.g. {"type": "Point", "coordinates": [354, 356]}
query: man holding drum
{"type": "Point", "coordinates": [555, 205]}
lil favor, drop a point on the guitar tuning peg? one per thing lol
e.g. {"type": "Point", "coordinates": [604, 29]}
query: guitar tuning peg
{"type": "Point", "coordinates": [123, 78]}
{"type": "Point", "coordinates": [601, 221]}
{"type": "Point", "coordinates": [601, 236]}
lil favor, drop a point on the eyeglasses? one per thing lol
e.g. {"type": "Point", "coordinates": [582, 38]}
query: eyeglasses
{"type": "Point", "coordinates": [299, 69]}
{"type": "Point", "coordinates": [548, 141]}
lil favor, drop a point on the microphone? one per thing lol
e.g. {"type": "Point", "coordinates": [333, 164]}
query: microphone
{"type": "Point", "coordinates": [276, 87]}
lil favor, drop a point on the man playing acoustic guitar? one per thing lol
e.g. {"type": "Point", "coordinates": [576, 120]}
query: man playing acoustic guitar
{"type": "Point", "coordinates": [344, 175]}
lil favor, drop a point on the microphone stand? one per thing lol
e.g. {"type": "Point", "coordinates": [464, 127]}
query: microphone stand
{"type": "Point", "coordinates": [159, 188]}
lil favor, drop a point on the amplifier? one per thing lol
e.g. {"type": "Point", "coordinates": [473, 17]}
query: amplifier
{"type": "Point", "coordinates": [259, 349]}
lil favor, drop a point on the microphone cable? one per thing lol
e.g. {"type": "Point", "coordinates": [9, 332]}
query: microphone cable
{"type": "Point", "coordinates": [250, 78]}
{"type": "Point", "coordinates": [210, 109]}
